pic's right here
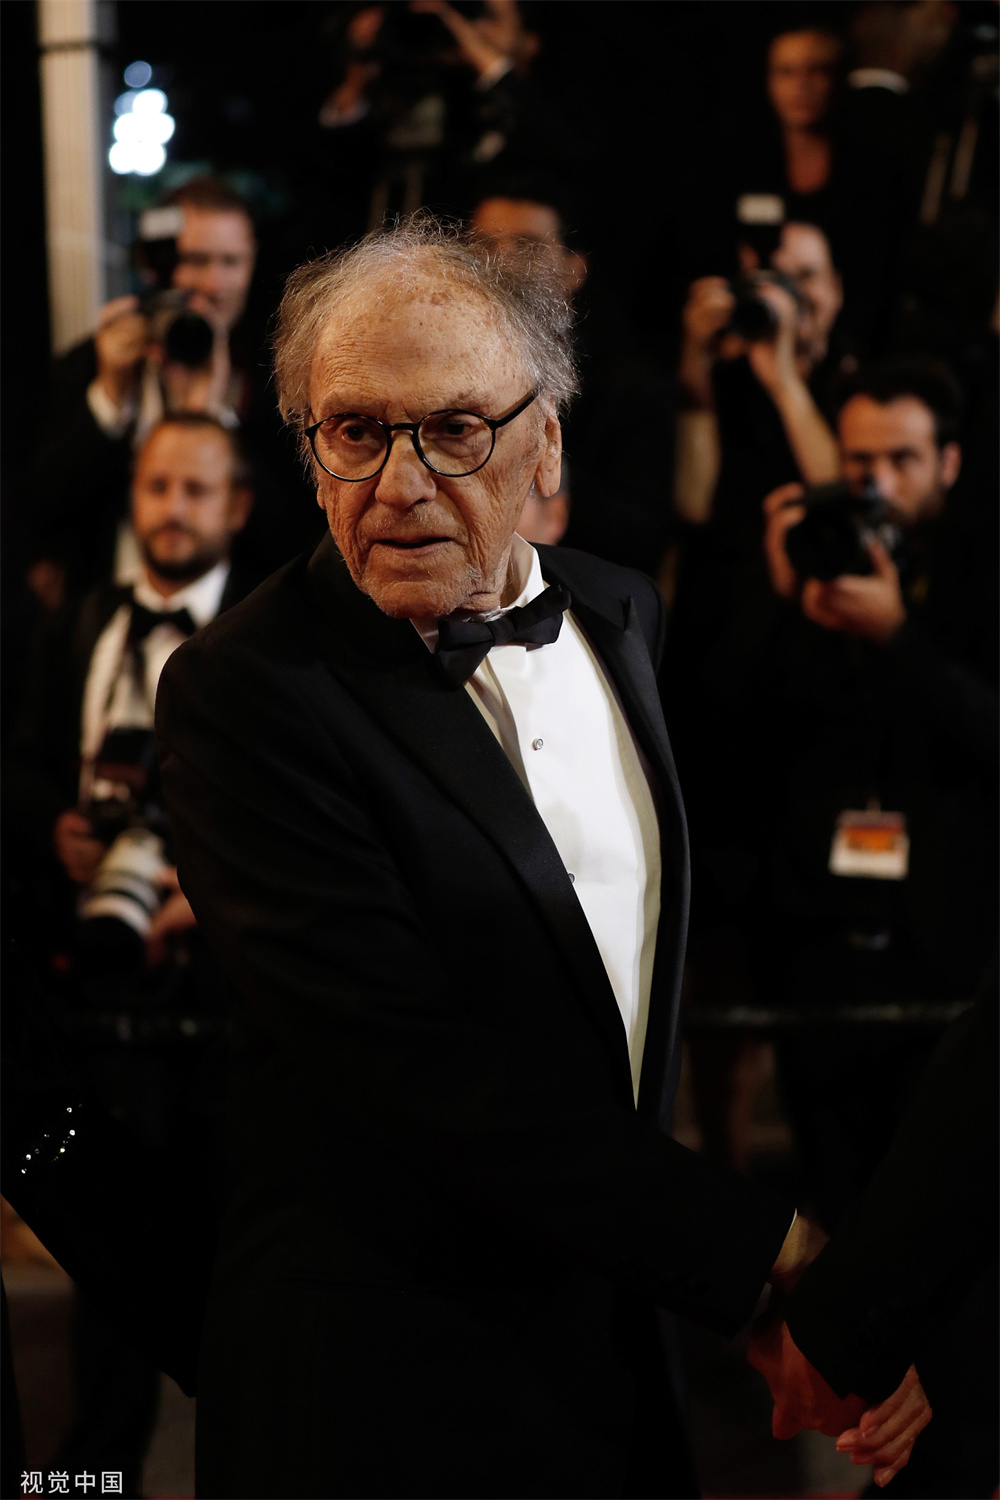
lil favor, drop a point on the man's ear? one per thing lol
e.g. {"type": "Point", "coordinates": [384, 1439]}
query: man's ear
{"type": "Point", "coordinates": [840, 291]}
{"type": "Point", "coordinates": [951, 464]}
{"type": "Point", "coordinates": [240, 506]}
{"type": "Point", "coordinates": [576, 270]}
{"type": "Point", "coordinates": [547, 473]}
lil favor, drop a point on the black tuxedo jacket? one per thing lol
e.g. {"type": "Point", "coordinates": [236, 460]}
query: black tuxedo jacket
{"type": "Point", "coordinates": [448, 1225]}
{"type": "Point", "coordinates": [914, 1244]}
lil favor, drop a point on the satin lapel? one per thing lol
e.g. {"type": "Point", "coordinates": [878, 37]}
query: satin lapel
{"type": "Point", "coordinates": [614, 629]}
{"type": "Point", "coordinates": [396, 678]}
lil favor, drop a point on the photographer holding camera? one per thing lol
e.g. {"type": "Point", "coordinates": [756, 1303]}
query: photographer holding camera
{"type": "Point", "coordinates": [749, 411]}
{"type": "Point", "coordinates": [860, 688]}
{"type": "Point", "coordinates": [188, 345]}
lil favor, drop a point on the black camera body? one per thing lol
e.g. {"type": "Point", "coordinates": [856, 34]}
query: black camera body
{"type": "Point", "coordinates": [753, 317]}
{"type": "Point", "coordinates": [833, 536]}
{"type": "Point", "coordinates": [185, 337]}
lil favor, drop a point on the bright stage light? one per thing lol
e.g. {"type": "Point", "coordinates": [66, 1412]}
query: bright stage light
{"type": "Point", "coordinates": [149, 102]}
{"type": "Point", "coordinates": [137, 75]}
{"type": "Point", "coordinates": [142, 126]}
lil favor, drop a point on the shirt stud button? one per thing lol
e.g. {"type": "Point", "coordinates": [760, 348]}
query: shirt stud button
{"type": "Point", "coordinates": [537, 744]}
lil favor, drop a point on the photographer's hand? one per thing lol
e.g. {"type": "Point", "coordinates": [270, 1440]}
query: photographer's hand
{"type": "Point", "coordinates": [175, 915]}
{"type": "Point", "coordinates": [782, 373]}
{"type": "Point", "coordinates": [120, 344]}
{"type": "Point", "coordinates": [79, 851]}
{"type": "Point", "coordinates": [474, 48]}
{"type": "Point", "coordinates": [871, 607]}
{"type": "Point", "coordinates": [706, 313]}
{"type": "Point", "coordinates": [773, 360]}
{"type": "Point", "coordinates": [780, 514]}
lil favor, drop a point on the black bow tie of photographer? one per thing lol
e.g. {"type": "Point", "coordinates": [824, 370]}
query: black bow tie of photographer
{"type": "Point", "coordinates": [144, 620]}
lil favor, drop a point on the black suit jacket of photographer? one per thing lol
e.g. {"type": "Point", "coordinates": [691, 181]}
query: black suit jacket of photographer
{"type": "Point", "coordinates": [449, 1225]}
{"type": "Point", "coordinates": [825, 720]}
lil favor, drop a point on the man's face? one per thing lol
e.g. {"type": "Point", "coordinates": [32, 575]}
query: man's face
{"type": "Point", "coordinates": [216, 252]}
{"type": "Point", "coordinates": [896, 445]}
{"type": "Point", "coordinates": [185, 509]}
{"type": "Point", "coordinates": [800, 73]}
{"type": "Point", "coordinates": [419, 544]}
{"type": "Point", "coordinates": [804, 256]}
{"type": "Point", "coordinates": [512, 221]}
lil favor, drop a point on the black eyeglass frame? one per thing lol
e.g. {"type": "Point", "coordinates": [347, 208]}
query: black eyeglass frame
{"type": "Point", "coordinates": [413, 428]}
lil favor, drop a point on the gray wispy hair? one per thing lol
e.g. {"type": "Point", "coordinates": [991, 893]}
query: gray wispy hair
{"type": "Point", "coordinates": [518, 287]}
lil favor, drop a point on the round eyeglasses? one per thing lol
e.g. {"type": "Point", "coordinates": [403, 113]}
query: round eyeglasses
{"type": "Point", "coordinates": [451, 443]}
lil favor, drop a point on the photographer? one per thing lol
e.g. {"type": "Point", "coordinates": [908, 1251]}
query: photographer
{"type": "Point", "coordinates": [749, 410]}
{"type": "Point", "coordinates": [108, 392]}
{"type": "Point", "coordinates": [864, 699]}
{"type": "Point", "coordinates": [99, 662]}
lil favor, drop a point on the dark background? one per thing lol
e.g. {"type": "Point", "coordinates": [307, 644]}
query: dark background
{"type": "Point", "coordinates": [641, 86]}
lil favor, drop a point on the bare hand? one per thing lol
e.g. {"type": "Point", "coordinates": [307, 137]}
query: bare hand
{"type": "Point", "coordinates": [886, 1434]}
{"type": "Point", "coordinates": [801, 1396]}
{"type": "Point", "coordinates": [883, 1435]}
{"type": "Point", "coordinates": [708, 309]}
{"type": "Point", "coordinates": [120, 342]}
{"type": "Point", "coordinates": [79, 851]}
{"type": "Point", "coordinates": [474, 48]}
{"type": "Point", "coordinates": [363, 27]}
{"type": "Point", "coordinates": [773, 360]}
{"type": "Point", "coordinates": [780, 515]}
{"type": "Point", "coordinates": [871, 607]}
{"type": "Point", "coordinates": [174, 916]}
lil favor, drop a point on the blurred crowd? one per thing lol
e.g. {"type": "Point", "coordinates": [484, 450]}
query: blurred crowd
{"type": "Point", "coordinates": [810, 474]}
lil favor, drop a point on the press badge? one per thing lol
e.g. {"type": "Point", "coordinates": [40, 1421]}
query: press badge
{"type": "Point", "coordinates": [871, 844]}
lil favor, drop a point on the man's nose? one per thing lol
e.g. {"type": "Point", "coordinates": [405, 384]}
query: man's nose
{"type": "Point", "coordinates": [405, 480]}
{"type": "Point", "coordinates": [173, 500]}
{"type": "Point", "coordinates": [886, 478]}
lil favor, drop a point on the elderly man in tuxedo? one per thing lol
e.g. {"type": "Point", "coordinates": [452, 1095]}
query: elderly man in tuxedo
{"type": "Point", "coordinates": [425, 806]}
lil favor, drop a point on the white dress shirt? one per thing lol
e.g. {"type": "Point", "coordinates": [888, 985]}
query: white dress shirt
{"type": "Point", "coordinates": [115, 696]}
{"type": "Point", "coordinates": [558, 719]}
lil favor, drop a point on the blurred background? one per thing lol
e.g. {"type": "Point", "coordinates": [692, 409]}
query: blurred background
{"type": "Point", "coordinates": [777, 225]}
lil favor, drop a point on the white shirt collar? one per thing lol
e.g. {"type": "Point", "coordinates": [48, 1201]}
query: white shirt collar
{"type": "Point", "coordinates": [878, 78]}
{"type": "Point", "coordinates": [201, 599]}
{"type": "Point", "coordinates": [526, 567]}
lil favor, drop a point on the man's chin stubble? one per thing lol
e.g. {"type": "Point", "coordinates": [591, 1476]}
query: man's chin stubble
{"type": "Point", "coordinates": [428, 599]}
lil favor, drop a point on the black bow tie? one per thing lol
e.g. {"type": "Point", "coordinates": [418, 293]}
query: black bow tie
{"type": "Point", "coordinates": [463, 644]}
{"type": "Point", "coordinates": [144, 620]}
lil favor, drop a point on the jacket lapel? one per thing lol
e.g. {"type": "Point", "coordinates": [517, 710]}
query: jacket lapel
{"type": "Point", "coordinates": [612, 623]}
{"type": "Point", "coordinates": [386, 665]}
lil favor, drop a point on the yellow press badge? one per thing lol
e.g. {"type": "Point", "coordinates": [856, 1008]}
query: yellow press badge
{"type": "Point", "coordinates": [871, 844]}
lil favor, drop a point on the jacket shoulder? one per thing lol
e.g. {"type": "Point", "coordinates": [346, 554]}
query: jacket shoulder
{"type": "Point", "coordinates": [594, 581]}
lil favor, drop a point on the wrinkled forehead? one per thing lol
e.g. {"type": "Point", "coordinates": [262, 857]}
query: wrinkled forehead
{"type": "Point", "coordinates": [398, 334]}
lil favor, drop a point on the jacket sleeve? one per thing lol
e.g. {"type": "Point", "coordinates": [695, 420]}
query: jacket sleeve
{"type": "Point", "coordinates": [281, 856]}
{"type": "Point", "coordinates": [923, 1229]}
